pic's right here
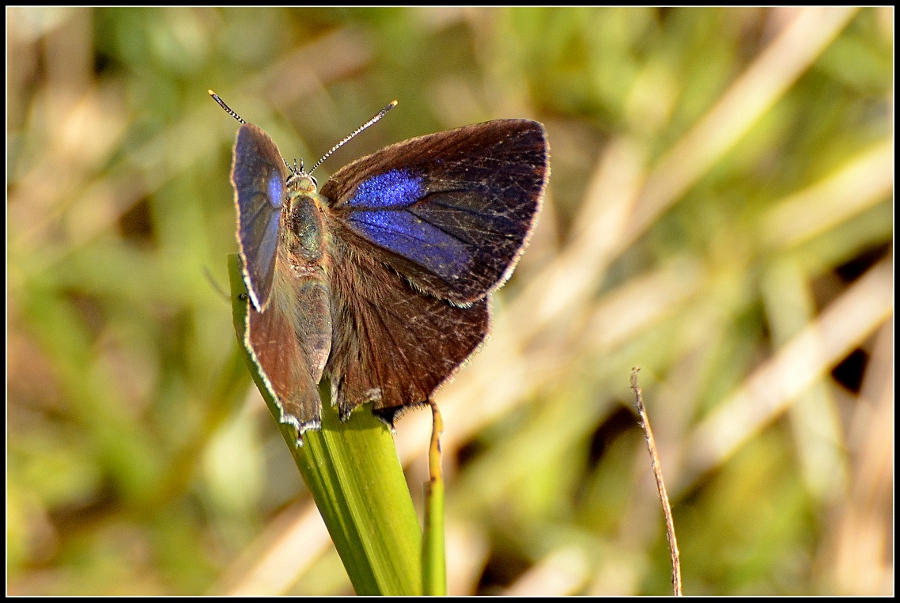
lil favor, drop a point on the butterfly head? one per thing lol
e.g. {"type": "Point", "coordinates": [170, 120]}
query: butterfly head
{"type": "Point", "coordinates": [300, 180]}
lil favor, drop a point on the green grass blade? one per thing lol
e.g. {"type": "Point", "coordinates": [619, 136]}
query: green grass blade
{"type": "Point", "coordinates": [356, 479]}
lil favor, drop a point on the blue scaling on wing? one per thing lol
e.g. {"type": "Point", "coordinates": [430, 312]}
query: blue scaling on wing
{"type": "Point", "coordinates": [276, 190]}
{"type": "Point", "coordinates": [267, 235]}
{"type": "Point", "coordinates": [381, 215]}
{"type": "Point", "coordinates": [269, 243]}
{"type": "Point", "coordinates": [414, 239]}
{"type": "Point", "coordinates": [395, 188]}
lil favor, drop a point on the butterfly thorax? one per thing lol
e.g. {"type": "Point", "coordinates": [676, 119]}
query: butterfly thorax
{"type": "Point", "coordinates": [303, 227]}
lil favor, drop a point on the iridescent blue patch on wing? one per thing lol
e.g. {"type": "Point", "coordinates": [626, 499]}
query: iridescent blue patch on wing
{"type": "Point", "coordinates": [414, 239]}
{"type": "Point", "coordinates": [269, 242]}
{"type": "Point", "coordinates": [276, 190]}
{"type": "Point", "coordinates": [395, 188]}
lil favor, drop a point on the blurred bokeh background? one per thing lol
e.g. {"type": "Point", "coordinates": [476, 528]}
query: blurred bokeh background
{"type": "Point", "coordinates": [719, 213]}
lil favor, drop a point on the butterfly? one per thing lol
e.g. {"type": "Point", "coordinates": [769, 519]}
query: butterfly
{"type": "Point", "coordinates": [380, 280]}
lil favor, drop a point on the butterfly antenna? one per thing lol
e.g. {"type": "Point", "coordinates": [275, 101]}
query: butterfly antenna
{"type": "Point", "coordinates": [228, 109]}
{"type": "Point", "coordinates": [341, 143]}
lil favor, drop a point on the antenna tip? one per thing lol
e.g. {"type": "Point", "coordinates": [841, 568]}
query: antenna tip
{"type": "Point", "coordinates": [394, 103]}
{"type": "Point", "coordinates": [211, 93]}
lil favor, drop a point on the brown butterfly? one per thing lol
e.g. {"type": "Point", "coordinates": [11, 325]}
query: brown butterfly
{"type": "Point", "coordinates": [380, 280]}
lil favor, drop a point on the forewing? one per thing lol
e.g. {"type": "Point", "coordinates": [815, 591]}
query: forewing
{"type": "Point", "coordinates": [450, 211]}
{"type": "Point", "coordinates": [258, 175]}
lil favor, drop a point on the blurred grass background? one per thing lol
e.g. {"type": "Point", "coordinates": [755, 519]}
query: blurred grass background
{"type": "Point", "coordinates": [719, 213]}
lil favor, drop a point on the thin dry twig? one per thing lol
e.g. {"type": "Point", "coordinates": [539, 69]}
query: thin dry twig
{"type": "Point", "coordinates": [660, 484]}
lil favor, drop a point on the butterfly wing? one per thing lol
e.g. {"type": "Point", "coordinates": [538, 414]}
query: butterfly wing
{"type": "Point", "coordinates": [289, 341]}
{"type": "Point", "coordinates": [391, 344]}
{"type": "Point", "coordinates": [450, 211]}
{"type": "Point", "coordinates": [423, 230]}
{"type": "Point", "coordinates": [258, 175]}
